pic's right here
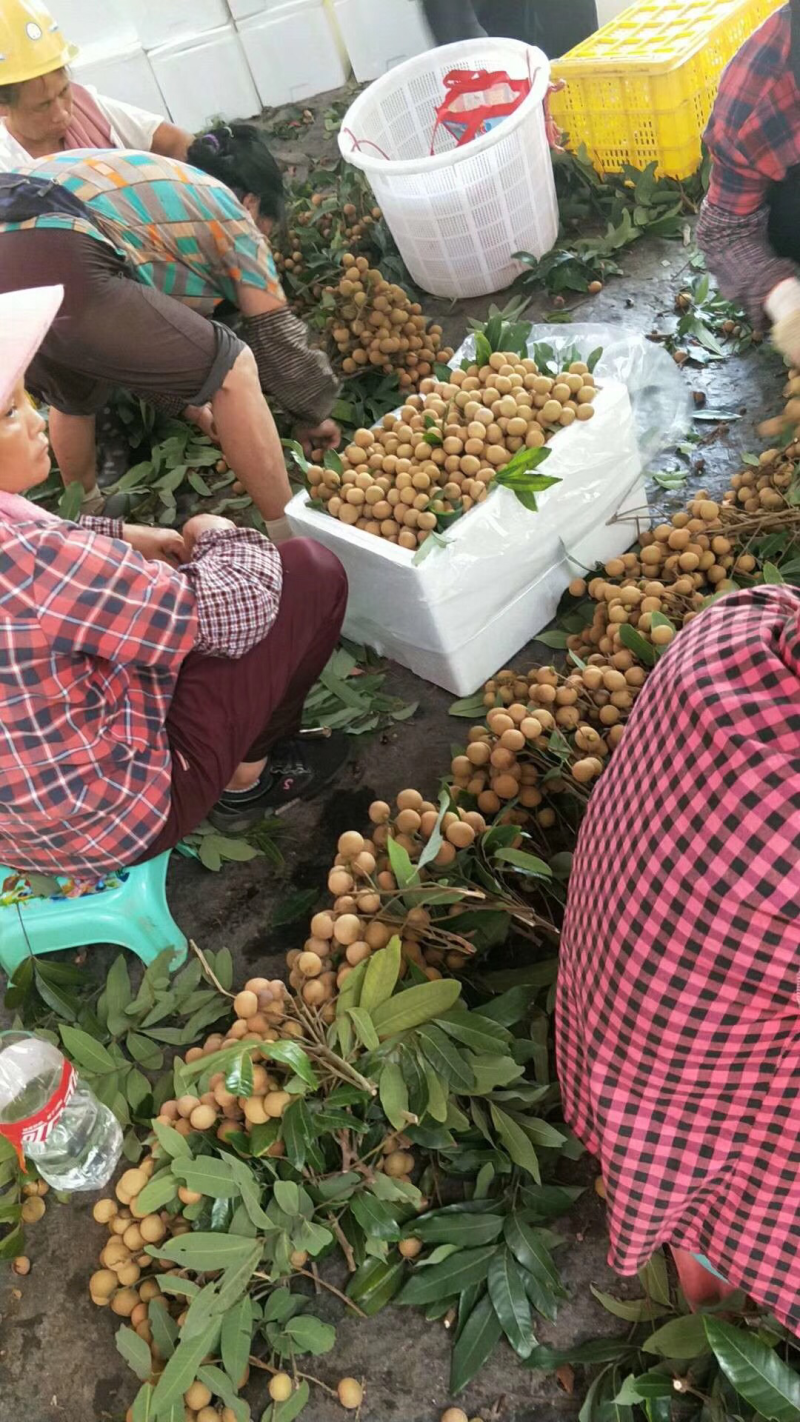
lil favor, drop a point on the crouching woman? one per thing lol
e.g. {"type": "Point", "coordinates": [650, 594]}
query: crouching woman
{"type": "Point", "coordinates": [148, 678]}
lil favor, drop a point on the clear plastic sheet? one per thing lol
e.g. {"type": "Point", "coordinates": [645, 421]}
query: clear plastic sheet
{"type": "Point", "coordinates": [662, 404]}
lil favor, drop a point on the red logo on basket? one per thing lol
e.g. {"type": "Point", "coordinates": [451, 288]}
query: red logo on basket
{"type": "Point", "coordinates": [34, 1130]}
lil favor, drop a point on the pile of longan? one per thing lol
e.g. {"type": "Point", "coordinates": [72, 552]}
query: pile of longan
{"type": "Point", "coordinates": [376, 323]}
{"type": "Point", "coordinates": [441, 453]}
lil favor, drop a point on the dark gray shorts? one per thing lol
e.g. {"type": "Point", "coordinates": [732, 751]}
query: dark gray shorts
{"type": "Point", "coordinates": [111, 330]}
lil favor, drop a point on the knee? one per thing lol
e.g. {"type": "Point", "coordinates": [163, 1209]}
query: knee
{"type": "Point", "coordinates": [316, 568]}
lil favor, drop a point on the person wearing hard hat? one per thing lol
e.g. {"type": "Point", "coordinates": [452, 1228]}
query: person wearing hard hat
{"type": "Point", "coordinates": [554, 28]}
{"type": "Point", "coordinates": [749, 226]}
{"type": "Point", "coordinates": [42, 110]}
{"type": "Point", "coordinates": [151, 678]}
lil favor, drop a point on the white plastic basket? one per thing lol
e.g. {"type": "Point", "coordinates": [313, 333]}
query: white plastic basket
{"type": "Point", "coordinates": [457, 216]}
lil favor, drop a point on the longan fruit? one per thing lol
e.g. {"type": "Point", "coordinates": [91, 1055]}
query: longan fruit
{"type": "Point", "coordinates": [350, 1394]}
{"type": "Point", "coordinates": [133, 1181]}
{"type": "Point", "coordinates": [309, 964]}
{"type": "Point", "coordinates": [104, 1211]}
{"type": "Point", "coordinates": [275, 1103]}
{"type": "Point", "coordinates": [461, 835]}
{"type": "Point", "coordinates": [408, 821]}
{"type": "Point", "coordinates": [33, 1209]}
{"type": "Point", "coordinates": [410, 800]}
{"type": "Point", "coordinates": [189, 1197]}
{"type": "Point", "coordinates": [322, 925]}
{"type": "Point", "coordinates": [124, 1302]}
{"type": "Point", "coordinates": [21, 1265]}
{"type": "Point", "coordinates": [280, 1387]}
{"type": "Point", "coordinates": [347, 928]}
{"type": "Point", "coordinates": [203, 1118]}
{"type": "Point", "coordinates": [197, 1396]}
{"type": "Point", "coordinates": [245, 1004]}
{"type": "Point", "coordinates": [350, 844]}
{"type": "Point", "coordinates": [152, 1229]}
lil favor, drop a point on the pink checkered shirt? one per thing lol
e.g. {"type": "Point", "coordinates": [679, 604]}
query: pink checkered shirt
{"type": "Point", "coordinates": [678, 1028]}
{"type": "Point", "coordinates": [92, 639]}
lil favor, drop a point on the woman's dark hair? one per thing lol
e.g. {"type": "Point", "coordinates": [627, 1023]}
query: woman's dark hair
{"type": "Point", "coordinates": [237, 154]}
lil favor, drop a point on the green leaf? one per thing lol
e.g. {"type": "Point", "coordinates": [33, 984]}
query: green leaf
{"type": "Point", "coordinates": [556, 640]}
{"type": "Point", "coordinates": [437, 1096]}
{"type": "Point", "coordinates": [380, 979]}
{"type": "Point", "coordinates": [529, 1251]}
{"type": "Point", "coordinates": [468, 1230]}
{"type": "Point", "coordinates": [445, 1059]}
{"type": "Point", "coordinates": [394, 1095]}
{"type": "Point", "coordinates": [135, 1352]}
{"type": "Point", "coordinates": [292, 1056]}
{"type": "Point", "coordinates": [171, 1141]}
{"type": "Point", "coordinates": [181, 1370]}
{"type": "Point", "coordinates": [237, 1276]}
{"type": "Point", "coordinates": [365, 1031]}
{"type": "Point", "coordinates": [435, 839]}
{"type": "Point", "coordinates": [478, 1339]}
{"type": "Point", "coordinates": [469, 1266]}
{"type": "Point", "coordinates": [510, 1302]}
{"type": "Point", "coordinates": [157, 1193]}
{"type": "Point", "coordinates": [756, 1372]}
{"type": "Point", "coordinates": [310, 1335]}
{"type": "Point", "coordinates": [415, 1006]}
{"type": "Point", "coordinates": [145, 1052]}
{"type": "Point", "coordinates": [288, 1411]}
{"type": "Point", "coordinates": [527, 863]}
{"type": "Point", "coordinates": [235, 1339]}
{"type": "Point", "coordinates": [681, 1338]}
{"type": "Point", "coordinates": [142, 1410]}
{"type": "Point", "coordinates": [287, 1197]}
{"type": "Point", "coordinates": [239, 1076]}
{"type": "Point", "coordinates": [208, 1175]}
{"type": "Point", "coordinates": [165, 1329]}
{"type": "Point", "coordinates": [297, 1132]}
{"type": "Point", "coordinates": [636, 643]}
{"type": "Point", "coordinates": [632, 1310]}
{"type": "Point", "coordinates": [204, 1251]}
{"type": "Point", "coordinates": [491, 1072]}
{"type": "Point", "coordinates": [376, 1218]}
{"type": "Point", "coordinates": [654, 1279]}
{"type": "Point", "coordinates": [375, 1284]}
{"type": "Point", "coordinates": [69, 505]}
{"type": "Point", "coordinates": [770, 573]}
{"type": "Point", "coordinates": [85, 1051]}
{"type": "Point", "coordinates": [400, 864]}
{"type": "Point", "coordinates": [515, 1141]}
{"type": "Point", "coordinates": [476, 1032]}
{"type": "Point", "coordinates": [471, 708]}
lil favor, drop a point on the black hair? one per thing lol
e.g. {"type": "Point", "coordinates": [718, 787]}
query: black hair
{"type": "Point", "coordinates": [238, 155]}
{"type": "Point", "coordinates": [9, 94]}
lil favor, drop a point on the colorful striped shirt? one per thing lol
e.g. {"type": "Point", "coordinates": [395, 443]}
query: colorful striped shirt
{"type": "Point", "coordinates": [180, 230]}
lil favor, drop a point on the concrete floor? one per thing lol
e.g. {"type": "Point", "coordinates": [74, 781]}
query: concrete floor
{"type": "Point", "coordinates": [58, 1362]}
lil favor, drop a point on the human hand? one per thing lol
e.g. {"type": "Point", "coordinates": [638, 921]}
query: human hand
{"type": "Point", "coordinates": [158, 545]}
{"type": "Point", "coordinates": [199, 524]}
{"type": "Point", "coordinates": [203, 417]}
{"type": "Point", "coordinates": [783, 306]}
{"type": "Point", "coordinates": [324, 436]}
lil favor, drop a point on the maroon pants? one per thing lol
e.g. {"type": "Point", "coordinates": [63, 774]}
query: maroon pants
{"type": "Point", "coordinates": [225, 712]}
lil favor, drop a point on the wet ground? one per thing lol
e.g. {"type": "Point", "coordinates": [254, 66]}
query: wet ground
{"type": "Point", "coordinates": [58, 1362]}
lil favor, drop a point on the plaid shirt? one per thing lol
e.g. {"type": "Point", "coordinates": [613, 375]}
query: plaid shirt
{"type": "Point", "coordinates": [678, 1025]}
{"type": "Point", "coordinates": [92, 639]}
{"type": "Point", "coordinates": [754, 139]}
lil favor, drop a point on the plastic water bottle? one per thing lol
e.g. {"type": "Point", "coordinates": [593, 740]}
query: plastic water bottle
{"type": "Point", "coordinates": [51, 1117]}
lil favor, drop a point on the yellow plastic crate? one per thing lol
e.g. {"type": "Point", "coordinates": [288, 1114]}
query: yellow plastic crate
{"type": "Point", "coordinates": [643, 87]}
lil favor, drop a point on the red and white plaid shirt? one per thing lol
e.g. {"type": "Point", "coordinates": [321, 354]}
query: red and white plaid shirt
{"type": "Point", "coordinates": [92, 638]}
{"type": "Point", "coordinates": [678, 1029]}
{"type": "Point", "coordinates": [754, 139]}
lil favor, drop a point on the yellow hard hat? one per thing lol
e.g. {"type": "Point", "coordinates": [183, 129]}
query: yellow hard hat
{"type": "Point", "coordinates": [31, 44]}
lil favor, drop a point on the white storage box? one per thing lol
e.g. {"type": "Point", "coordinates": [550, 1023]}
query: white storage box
{"type": "Point", "coordinates": [124, 74]}
{"type": "Point", "coordinates": [206, 78]}
{"type": "Point", "coordinates": [84, 22]}
{"type": "Point", "coordinates": [162, 21]}
{"type": "Point", "coordinates": [375, 48]}
{"type": "Point", "coordinates": [459, 216]}
{"type": "Point", "coordinates": [293, 52]}
{"type": "Point", "coordinates": [466, 609]}
{"type": "Point", "coordinates": [243, 9]}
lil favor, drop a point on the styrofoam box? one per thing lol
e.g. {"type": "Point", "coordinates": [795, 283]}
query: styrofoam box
{"type": "Point", "coordinates": [374, 47]}
{"type": "Point", "coordinates": [243, 9]}
{"type": "Point", "coordinates": [162, 21]}
{"type": "Point", "coordinates": [294, 52]}
{"type": "Point", "coordinates": [466, 609]}
{"type": "Point", "coordinates": [125, 75]}
{"type": "Point", "coordinates": [109, 25]}
{"type": "Point", "coordinates": [206, 78]}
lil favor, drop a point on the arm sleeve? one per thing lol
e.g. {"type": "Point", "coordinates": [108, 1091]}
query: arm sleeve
{"type": "Point", "coordinates": [738, 252]}
{"type": "Point", "coordinates": [95, 596]}
{"type": "Point", "coordinates": [236, 575]}
{"type": "Point", "coordinates": [288, 367]}
{"type": "Point", "coordinates": [133, 127]}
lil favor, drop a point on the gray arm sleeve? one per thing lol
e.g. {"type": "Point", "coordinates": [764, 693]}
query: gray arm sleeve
{"type": "Point", "coordinates": [300, 377]}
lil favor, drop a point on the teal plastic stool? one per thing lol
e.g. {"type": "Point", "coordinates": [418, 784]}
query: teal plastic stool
{"type": "Point", "coordinates": [128, 908]}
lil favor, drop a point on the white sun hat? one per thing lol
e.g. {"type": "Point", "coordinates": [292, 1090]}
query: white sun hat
{"type": "Point", "coordinates": [25, 318]}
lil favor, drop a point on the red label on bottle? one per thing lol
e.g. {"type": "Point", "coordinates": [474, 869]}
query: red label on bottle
{"type": "Point", "coordinates": [34, 1130]}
